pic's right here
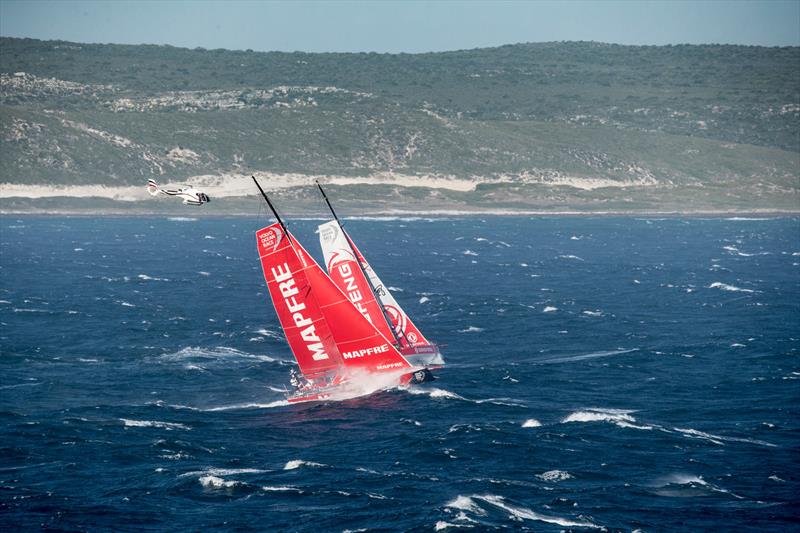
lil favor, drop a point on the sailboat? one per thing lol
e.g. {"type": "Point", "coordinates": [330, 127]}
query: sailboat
{"type": "Point", "coordinates": [344, 328]}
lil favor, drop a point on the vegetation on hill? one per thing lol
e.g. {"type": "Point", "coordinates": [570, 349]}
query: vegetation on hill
{"type": "Point", "coordinates": [530, 116]}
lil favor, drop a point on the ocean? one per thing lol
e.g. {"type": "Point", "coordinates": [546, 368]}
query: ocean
{"type": "Point", "coordinates": [603, 373]}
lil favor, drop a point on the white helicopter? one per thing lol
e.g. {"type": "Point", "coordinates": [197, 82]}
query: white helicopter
{"type": "Point", "coordinates": [190, 195]}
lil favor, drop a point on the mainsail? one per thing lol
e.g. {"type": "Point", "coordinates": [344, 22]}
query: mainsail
{"type": "Point", "coordinates": [325, 331]}
{"type": "Point", "coordinates": [339, 252]}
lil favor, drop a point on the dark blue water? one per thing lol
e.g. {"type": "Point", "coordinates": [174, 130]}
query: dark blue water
{"type": "Point", "coordinates": [615, 373]}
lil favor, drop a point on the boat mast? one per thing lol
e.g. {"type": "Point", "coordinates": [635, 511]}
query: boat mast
{"type": "Point", "coordinates": [272, 207]}
{"type": "Point", "coordinates": [364, 272]}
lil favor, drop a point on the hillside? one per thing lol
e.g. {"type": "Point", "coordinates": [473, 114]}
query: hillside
{"type": "Point", "coordinates": [551, 126]}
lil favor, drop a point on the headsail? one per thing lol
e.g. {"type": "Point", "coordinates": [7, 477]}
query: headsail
{"type": "Point", "coordinates": [338, 258]}
{"type": "Point", "coordinates": [350, 277]}
{"type": "Point", "coordinates": [324, 329]}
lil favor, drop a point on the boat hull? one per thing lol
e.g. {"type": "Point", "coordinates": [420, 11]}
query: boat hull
{"type": "Point", "coordinates": [346, 389]}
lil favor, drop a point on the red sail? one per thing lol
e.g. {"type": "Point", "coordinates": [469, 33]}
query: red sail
{"type": "Point", "coordinates": [324, 330]}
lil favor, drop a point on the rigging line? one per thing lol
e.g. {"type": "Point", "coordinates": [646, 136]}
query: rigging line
{"type": "Point", "coordinates": [274, 211]}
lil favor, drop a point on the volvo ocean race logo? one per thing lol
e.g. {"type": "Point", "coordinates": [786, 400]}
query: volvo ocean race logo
{"type": "Point", "coordinates": [328, 232]}
{"type": "Point", "coordinates": [269, 240]}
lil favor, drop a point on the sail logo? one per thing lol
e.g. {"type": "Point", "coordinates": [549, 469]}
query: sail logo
{"type": "Point", "coordinates": [328, 232]}
{"type": "Point", "coordinates": [351, 289]}
{"type": "Point", "coordinates": [338, 256]}
{"type": "Point", "coordinates": [289, 291]}
{"type": "Point", "coordinates": [366, 351]}
{"type": "Point", "coordinates": [269, 240]}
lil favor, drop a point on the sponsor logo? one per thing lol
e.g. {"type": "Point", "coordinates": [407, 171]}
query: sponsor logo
{"type": "Point", "coordinates": [398, 319]}
{"type": "Point", "coordinates": [328, 232]}
{"type": "Point", "coordinates": [345, 270]}
{"type": "Point", "coordinates": [389, 365]}
{"type": "Point", "coordinates": [289, 291]}
{"type": "Point", "coordinates": [269, 240]}
{"type": "Point", "coordinates": [337, 256]}
{"type": "Point", "coordinates": [366, 351]}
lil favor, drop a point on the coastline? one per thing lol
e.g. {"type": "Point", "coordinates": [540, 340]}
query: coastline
{"type": "Point", "coordinates": [395, 213]}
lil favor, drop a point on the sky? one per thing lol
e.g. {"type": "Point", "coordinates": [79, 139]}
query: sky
{"type": "Point", "coordinates": [411, 26]}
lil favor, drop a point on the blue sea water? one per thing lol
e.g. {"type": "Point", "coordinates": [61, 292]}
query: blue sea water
{"type": "Point", "coordinates": [603, 373]}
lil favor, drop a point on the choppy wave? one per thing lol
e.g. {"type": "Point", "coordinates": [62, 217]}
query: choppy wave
{"type": "Point", "coordinates": [554, 475]}
{"type": "Point", "coordinates": [153, 424]}
{"type": "Point", "coordinates": [298, 463]}
{"type": "Point", "coordinates": [214, 482]}
{"type": "Point", "coordinates": [220, 353]}
{"type": "Point", "coordinates": [212, 471]}
{"type": "Point", "coordinates": [251, 405]}
{"type": "Point", "coordinates": [619, 417]}
{"type": "Point", "coordinates": [593, 355]}
{"type": "Point", "coordinates": [469, 504]}
{"type": "Point", "coordinates": [687, 485]}
{"type": "Point", "coordinates": [437, 393]}
{"type": "Point", "coordinates": [726, 287]}
{"type": "Point", "coordinates": [720, 439]}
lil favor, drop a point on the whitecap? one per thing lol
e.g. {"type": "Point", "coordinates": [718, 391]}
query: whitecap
{"type": "Point", "coordinates": [145, 277]}
{"type": "Point", "coordinates": [719, 439]}
{"type": "Point", "coordinates": [219, 352]}
{"type": "Point", "coordinates": [181, 219]}
{"type": "Point", "coordinates": [527, 514]}
{"type": "Point", "coordinates": [470, 252]}
{"type": "Point", "coordinates": [297, 463]}
{"type": "Point", "coordinates": [575, 257]}
{"type": "Point", "coordinates": [280, 488]}
{"type": "Point", "coordinates": [214, 482]}
{"type": "Point", "coordinates": [204, 273]}
{"type": "Point", "coordinates": [211, 471]}
{"type": "Point", "coordinates": [726, 287]}
{"type": "Point", "coordinates": [433, 392]}
{"type": "Point", "coordinates": [424, 299]}
{"type": "Point", "coordinates": [465, 503]}
{"type": "Point", "coordinates": [271, 334]}
{"type": "Point", "coordinates": [593, 313]}
{"type": "Point", "coordinates": [531, 423]}
{"type": "Point", "coordinates": [550, 309]}
{"type": "Point", "coordinates": [555, 475]}
{"type": "Point", "coordinates": [471, 329]}
{"type": "Point", "coordinates": [692, 481]}
{"type": "Point", "coordinates": [153, 424]}
{"type": "Point", "coordinates": [270, 405]}
{"type": "Point", "coordinates": [619, 417]}
{"type": "Point", "coordinates": [593, 355]}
